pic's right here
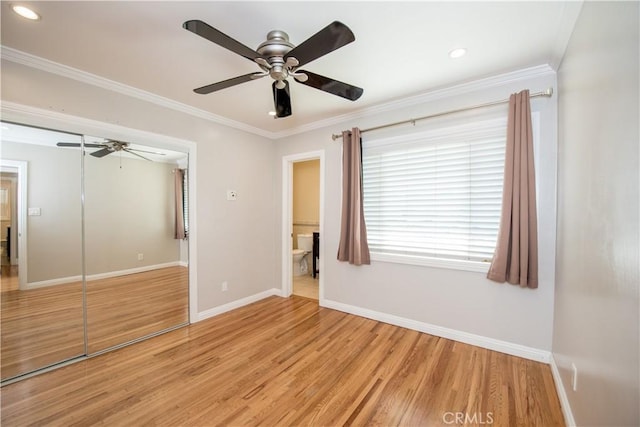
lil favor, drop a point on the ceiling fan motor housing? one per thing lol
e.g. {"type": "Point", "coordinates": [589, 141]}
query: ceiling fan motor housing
{"type": "Point", "coordinates": [274, 49]}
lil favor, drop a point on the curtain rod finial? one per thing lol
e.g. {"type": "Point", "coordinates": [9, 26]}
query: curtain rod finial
{"type": "Point", "coordinates": [549, 91]}
{"type": "Point", "coordinates": [334, 136]}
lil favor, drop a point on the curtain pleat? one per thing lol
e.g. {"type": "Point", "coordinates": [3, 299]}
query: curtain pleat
{"type": "Point", "coordinates": [516, 255]}
{"type": "Point", "coordinates": [178, 177]}
{"type": "Point", "coordinates": [353, 246]}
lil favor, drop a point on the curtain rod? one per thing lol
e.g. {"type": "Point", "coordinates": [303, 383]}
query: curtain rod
{"type": "Point", "coordinates": [545, 93]}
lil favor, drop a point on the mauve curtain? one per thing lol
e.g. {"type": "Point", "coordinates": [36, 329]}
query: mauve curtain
{"type": "Point", "coordinates": [178, 183]}
{"type": "Point", "coordinates": [516, 256]}
{"type": "Point", "coordinates": [353, 232]}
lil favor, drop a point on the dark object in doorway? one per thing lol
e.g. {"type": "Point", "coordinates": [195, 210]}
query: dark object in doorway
{"type": "Point", "coordinates": [316, 253]}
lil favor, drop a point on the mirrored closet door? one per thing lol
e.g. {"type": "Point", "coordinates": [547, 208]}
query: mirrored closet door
{"type": "Point", "coordinates": [94, 249]}
{"type": "Point", "coordinates": [137, 276]}
{"type": "Point", "coordinates": [42, 295]}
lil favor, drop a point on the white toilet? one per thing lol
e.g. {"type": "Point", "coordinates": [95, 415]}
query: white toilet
{"type": "Point", "coordinates": [305, 246]}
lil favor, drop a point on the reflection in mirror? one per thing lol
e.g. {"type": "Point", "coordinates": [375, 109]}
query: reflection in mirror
{"type": "Point", "coordinates": [136, 265]}
{"type": "Point", "coordinates": [42, 302]}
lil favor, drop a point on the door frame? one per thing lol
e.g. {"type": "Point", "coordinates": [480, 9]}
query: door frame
{"type": "Point", "coordinates": [287, 219]}
{"type": "Point", "coordinates": [21, 167]}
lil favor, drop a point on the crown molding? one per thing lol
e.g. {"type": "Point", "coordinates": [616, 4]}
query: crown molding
{"type": "Point", "coordinates": [426, 97]}
{"type": "Point", "coordinates": [61, 122]}
{"type": "Point", "coordinates": [568, 18]}
{"type": "Point", "coordinates": [46, 65]}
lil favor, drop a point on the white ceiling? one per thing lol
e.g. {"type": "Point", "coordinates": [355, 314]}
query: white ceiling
{"type": "Point", "coordinates": [401, 48]}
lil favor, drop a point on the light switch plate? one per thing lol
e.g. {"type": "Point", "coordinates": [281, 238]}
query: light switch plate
{"type": "Point", "coordinates": [34, 212]}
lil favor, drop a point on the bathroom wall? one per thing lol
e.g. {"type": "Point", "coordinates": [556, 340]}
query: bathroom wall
{"type": "Point", "coordinates": [306, 198]}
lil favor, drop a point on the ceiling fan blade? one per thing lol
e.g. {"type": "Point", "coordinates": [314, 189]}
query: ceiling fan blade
{"type": "Point", "coordinates": [332, 86]}
{"type": "Point", "coordinates": [101, 153]}
{"type": "Point", "coordinates": [330, 38]}
{"type": "Point", "coordinates": [282, 100]}
{"type": "Point", "coordinates": [221, 39]}
{"type": "Point", "coordinates": [75, 144]}
{"type": "Point", "coordinates": [135, 154]}
{"type": "Point", "coordinates": [228, 83]}
{"type": "Point", "coordinates": [145, 151]}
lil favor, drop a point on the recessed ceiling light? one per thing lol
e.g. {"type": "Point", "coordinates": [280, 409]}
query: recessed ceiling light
{"type": "Point", "coordinates": [25, 12]}
{"type": "Point", "coordinates": [457, 53]}
{"type": "Point", "coordinates": [272, 113]}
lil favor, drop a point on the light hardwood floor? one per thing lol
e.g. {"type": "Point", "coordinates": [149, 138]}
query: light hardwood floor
{"type": "Point", "coordinates": [43, 326]}
{"type": "Point", "coordinates": [306, 286]}
{"type": "Point", "coordinates": [8, 278]}
{"type": "Point", "coordinates": [286, 361]}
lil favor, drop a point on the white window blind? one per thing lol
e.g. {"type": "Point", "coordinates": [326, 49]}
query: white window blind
{"type": "Point", "coordinates": [436, 194]}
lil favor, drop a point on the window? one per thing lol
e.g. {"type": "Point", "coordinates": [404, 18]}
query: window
{"type": "Point", "coordinates": [435, 197]}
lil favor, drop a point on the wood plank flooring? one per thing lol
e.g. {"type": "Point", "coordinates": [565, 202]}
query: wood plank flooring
{"type": "Point", "coordinates": [285, 361]}
{"type": "Point", "coordinates": [45, 325]}
{"type": "Point", "coordinates": [306, 286]}
{"type": "Point", "coordinates": [123, 308]}
{"type": "Point", "coordinates": [9, 278]}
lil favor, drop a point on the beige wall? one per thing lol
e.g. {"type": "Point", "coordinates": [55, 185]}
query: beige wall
{"type": "Point", "coordinates": [306, 198]}
{"type": "Point", "coordinates": [128, 211]}
{"type": "Point", "coordinates": [597, 288]}
{"type": "Point", "coordinates": [230, 235]}
{"type": "Point", "coordinates": [53, 185]}
{"type": "Point", "coordinates": [459, 300]}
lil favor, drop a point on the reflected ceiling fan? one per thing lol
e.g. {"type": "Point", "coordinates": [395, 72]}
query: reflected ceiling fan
{"type": "Point", "coordinates": [279, 58]}
{"type": "Point", "coordinates": [111, 146]}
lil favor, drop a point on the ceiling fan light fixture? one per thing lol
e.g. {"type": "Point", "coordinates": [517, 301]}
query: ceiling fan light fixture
{"type": "Point", "coordinates": [457, 53]}
{"type": "Point", "coordinates": [280, 84]}
{"type": "Point", "coordinates": [25, 12]}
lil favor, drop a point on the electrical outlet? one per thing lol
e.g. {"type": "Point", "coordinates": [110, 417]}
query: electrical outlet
{"type": "Point", "coordinates": [225, 286]}
{"type": "Point", "coordinates": [574, 377]}
{"type": "Point", "coordinates": [140, 257]}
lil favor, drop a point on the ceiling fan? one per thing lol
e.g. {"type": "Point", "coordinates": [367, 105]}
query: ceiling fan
{"type": "Point", "coordinates": [111, 146]}
{"type": "Point", "coordinates": [279, 58]}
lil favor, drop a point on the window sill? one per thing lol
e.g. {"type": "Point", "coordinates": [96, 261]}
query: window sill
{"type": "Point", "coordinates": [480, 267]}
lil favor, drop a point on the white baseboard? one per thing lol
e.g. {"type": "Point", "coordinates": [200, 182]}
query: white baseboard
{"type": "Point", "coordinates": [238, 303]}
{"type": "Point", "coordinates": [71, 279]}
{"type": "Point", "coordinates": [562, 394]}
{"type": "Point", "coordinates": [452, 334]}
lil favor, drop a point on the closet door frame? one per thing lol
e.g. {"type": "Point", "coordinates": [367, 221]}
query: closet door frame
{"type": "Point", "coordinates": [37, 117]}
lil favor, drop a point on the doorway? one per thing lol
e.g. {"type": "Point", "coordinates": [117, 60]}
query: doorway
{"type": "Point", "coordinates": [303, 215]}
{"type": "Point", "coordinates": [13, 218]}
